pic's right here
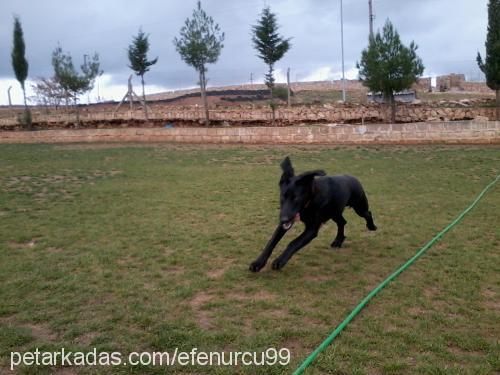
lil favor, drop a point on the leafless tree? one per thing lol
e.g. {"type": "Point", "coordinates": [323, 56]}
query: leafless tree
{"type": "Point", "coordinates": [48, 93]}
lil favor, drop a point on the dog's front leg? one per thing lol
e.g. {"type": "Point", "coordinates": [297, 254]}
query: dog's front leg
{"type": "Point", "coordinates": [261, 261]}
{"type": "Point", "coordinates": [302, 240]}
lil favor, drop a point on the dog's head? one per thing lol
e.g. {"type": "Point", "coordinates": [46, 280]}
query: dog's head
{"type": "Point", "coordinates": [295, 192]}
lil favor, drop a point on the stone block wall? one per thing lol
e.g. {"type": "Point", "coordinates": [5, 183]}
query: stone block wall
{"type": "Point", "coordinates": [486, 132]}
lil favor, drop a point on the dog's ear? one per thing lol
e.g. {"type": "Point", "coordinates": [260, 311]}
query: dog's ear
{"type": "Point", "coordinates": [288, 172]}
{"type": "Point", "coordinates": [306, 178]}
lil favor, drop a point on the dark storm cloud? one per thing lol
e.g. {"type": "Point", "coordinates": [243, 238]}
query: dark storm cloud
{"type": "Point", "coordinates": [449, 34]}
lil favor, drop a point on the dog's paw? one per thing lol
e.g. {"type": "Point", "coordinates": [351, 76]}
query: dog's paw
{"type": "Point", "coordinates": [371, 227]}
{"type": "Point", "coordinates": [338, 242]}
{"type": "Point", "coordinates": [278, 264]}
{"type": "Point", "coordinates": [256, 266]}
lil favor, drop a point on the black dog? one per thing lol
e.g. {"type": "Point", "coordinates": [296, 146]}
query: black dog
{"type": "Point", "coordinates": [314, 201]}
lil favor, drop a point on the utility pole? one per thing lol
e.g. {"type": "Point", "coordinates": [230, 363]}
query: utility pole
{"type": "Point", "coordinates": [370, 16]}
{"type": "Point", "coordinates": [342, 44]}
{"type": "Point", "coordinates": [251, 79]}
{"type": "Point", "coordinates": [288, 85]}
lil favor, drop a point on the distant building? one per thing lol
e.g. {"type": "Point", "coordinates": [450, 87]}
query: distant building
{"type": "Point", "coordinates": [450, 82]}
{"type": "Point", "coordinates": [423, 84]}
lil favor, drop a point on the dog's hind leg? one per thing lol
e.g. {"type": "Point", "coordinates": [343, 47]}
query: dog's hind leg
{"type": "Point", "coordinates": [261, 261]}
{"type": "Point", "coordinates": [369, 221]}
{"type": "Point", "coordinates": [362, 210]}
{"type": "Point", "coordinates": [339, 239]}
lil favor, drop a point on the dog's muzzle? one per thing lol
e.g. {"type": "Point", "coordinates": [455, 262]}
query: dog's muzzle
{"type": "Point", "coordinates": [288, 224]}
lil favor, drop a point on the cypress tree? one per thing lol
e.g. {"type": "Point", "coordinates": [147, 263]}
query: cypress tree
{"type": "Point", "coordinates": [20, 65]}
{"type": "Point", "coordinates": [270, 46]}
{"type": "Point", "coordinates": [491, 64]}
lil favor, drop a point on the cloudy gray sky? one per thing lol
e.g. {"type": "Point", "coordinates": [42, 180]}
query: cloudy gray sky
{"type": "Point", "coordinates": [449, 34]}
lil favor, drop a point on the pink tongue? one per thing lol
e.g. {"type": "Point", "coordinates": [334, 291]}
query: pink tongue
{"type": "Point", "coordinates": [297, 216]}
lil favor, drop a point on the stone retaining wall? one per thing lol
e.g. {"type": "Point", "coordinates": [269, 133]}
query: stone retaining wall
{"type": "Point", "coordinates": [486, 132]}
{"type": "Point", "coordinates": [247, 114]}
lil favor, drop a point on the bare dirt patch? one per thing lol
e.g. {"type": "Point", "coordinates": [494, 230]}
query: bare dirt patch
{"type": "Point", "coordinates": [55, 250]}
{"type": "Point", "coordinates": [416, 311]}
{"type": "Point", "coordinates": [432, 292]}
{"type": "Point", "coordinates": [490, 299]}
{"type": "Point", "coordinates": [316, 278]}
{"type": "Point", "coordinates": [65, 371]}
{"type": "Point", "coordinates": [260, 295]}
{"type": "Point", "coordinates": [203, 317]}
{"type": "Point", "coordinates": [39, 331]}
{"type": "Point", "coordinates": [218, 272]}
{"type": "Point", "coordinates": [275, 313]}
{"type": "Point", "coordinates": [42, 332]}
{"type": "Point", "coordinates": [175, 271]}
{"type": "Point", "coordinates": [24, 245]}
{"type": "Point", "coordinates": [100, 146]}
{"type": "Point", "coordinates": [460, 353]}
{"type": "Point", "coordinates": [56, 186]}
{"type": "Point", "coordinates": [86, 338]}
{"type": "Point", "coordinates": [293, 344]}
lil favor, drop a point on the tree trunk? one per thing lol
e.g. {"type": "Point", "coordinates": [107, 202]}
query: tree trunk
{"type": "Point", "coordinates": [77, 112]}
{"type": "Point", "coordinates": [27, 118]}
{"type": "Point", "coordinates": [8, 94]}
{"type": "Point", "coordinates": [24, 97]}
{"type": "Point", "coordinates": [273, 109]}
{"type": "Point", "coordinates": [270, 83]}
{"type": "Point", "coordinates": [497, 92]}
{"type": "Point", "coordinates": [144, 98]}
{"type": "Point", "coordinates": [204, 97]}
{"type": "Point", "coordinates": [393, 108]}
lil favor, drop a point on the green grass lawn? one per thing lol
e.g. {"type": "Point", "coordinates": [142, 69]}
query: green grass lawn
{"type": "Point", "coordinates": [146, 248]}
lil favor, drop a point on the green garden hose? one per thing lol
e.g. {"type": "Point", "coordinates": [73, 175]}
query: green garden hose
{"type": "Point", "coordinates": [372, 294]}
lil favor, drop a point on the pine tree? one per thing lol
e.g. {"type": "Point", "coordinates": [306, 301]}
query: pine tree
{"type": "Point", "coordinates": [200, 43]}
{"type": "Point", "coordinates": [387, 66]}
{"type": "Point", "coordinates": [139, 63]}
{"type": "Point", "coordinates": [73, 83]}
{"type": "Point", "coordinates": [20, 65]}
{"type": "Point", "coordinates": [491, 65]}
{"type": "Point", "coordinates": [271, 47]}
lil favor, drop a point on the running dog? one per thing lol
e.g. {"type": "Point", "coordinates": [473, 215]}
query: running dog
{"type": "Point", "coordinates": [313, 201]}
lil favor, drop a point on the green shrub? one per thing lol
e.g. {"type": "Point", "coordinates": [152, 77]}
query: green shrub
{"type": "Point", "coordinates": [281, 92]}
{"type": "Point", "coordinates": [25, 119]}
